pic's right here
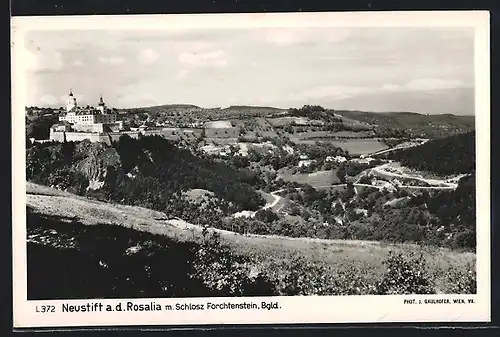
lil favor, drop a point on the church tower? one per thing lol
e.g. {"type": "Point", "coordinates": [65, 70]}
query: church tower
{"type": "Point", "coordinates": [101, 106]}
{"type": "Point", "coordinates": [71, 103]}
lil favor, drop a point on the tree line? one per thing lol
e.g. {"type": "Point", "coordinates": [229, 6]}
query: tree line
{"type": "Point", "coordinates": [150, 172]}
{"type": "Point", "coordinates": [451, 155]}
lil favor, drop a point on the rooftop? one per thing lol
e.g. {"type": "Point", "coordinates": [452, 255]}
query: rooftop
{"type": "Point", "coordinates": [87, 111]}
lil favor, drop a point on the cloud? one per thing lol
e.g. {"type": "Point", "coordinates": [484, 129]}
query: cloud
{"type": "Point", "coordinates": [216, 58]}
{"type": "Point", "coordinates": [340, 92]}
{"type": "Point", "coordinates": [391, 87]}
{"type": "Point", "coordinates": [433, 84]}
{"type": "Point", "coordinates": [424, 84]}
{"type": "Point", "coordinates": [38, 60]}
{"type": "Point", "coordinates": [147, 56]}
{"type": "Point", "coordinates": [78, 63]}
{"type": "Point", "coordinates": [48, 100]}
{"type": "Point", "coordinates": [336, 92]}
{"type": "Point", "coordinates": [112, 60]}
{"type": "Point", "coordinates": [138, 99]}
{"type": "Point", "coordinates": [282, 37]}
{"type": "Point", "coordinates": [193, 46]}
{"type": "Point", "coordinates": [182, 73]}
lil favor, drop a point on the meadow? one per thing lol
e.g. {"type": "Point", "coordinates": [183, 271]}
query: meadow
{"type": "Point", "coordinates": [316, 179]}
{"type": "Point", "coordinates": [355, 147]}
{"type": "Point", "coordinates": [218, 124]}
{"type": "Point", "coordinates": [284, 121]}
{"type": "Point", "coordinates": [275, 256]}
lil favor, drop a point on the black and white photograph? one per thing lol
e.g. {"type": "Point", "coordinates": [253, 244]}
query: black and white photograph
{"type": "Point", "coordinates": [258, 161]}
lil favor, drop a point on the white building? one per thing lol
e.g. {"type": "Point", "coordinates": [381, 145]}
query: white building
{"type": "Point", "coordinates": [306, 163]}
{"type": "Point", "coordinates": [337, 159]}
{"type": "Point", "coordinates": [87, 116]}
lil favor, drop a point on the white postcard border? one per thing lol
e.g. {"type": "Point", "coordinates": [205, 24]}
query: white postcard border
{"type": "Point", "coordinates": [311, 309]}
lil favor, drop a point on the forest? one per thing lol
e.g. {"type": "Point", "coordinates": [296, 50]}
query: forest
{"type": "Point", "coordinates": [450, 155]}
{"type": "Point", "coordinates": [443, 218]}
{"type": "Point", "coordinates": [153, 172]}
{"type": "Point", "coordinates": [150, 172]}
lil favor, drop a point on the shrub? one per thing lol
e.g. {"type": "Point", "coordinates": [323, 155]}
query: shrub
{"type": "Point", "coordinates": [225, 273]}
{"type": "Point", "coordinates": [461, 281]}
{"type": "Point", "coordinates": [266, 215]}
{"type": "Point", "coordinates": [405, 275]}
{"type": "Point", "coordinates": [300, 277]}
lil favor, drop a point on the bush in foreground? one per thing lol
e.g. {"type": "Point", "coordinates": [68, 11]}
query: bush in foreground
{"type": "Point", "coordinates": [405, 275]}
{"type": "Point", "coordinates": [461, 281]}
{"type": "Point", "coordinates": [67, 259]}
{"type": "Point", "coordinates": [225, 273]}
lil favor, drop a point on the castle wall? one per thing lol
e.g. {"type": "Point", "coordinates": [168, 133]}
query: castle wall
{"type": "Point", "coordinates": [115, 136]}
{"type": "Point", "coordinates": [57, 136]}
{"type": "Point", "coordinates": [110, 137]}
{"type": "Point", "coordinates": [88, 128]}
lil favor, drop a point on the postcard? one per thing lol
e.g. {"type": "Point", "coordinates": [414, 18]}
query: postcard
{"type": "Point", "coordinates": [187, 170]}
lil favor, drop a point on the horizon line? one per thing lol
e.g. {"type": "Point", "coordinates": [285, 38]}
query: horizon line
{"type": "Point", "coordinates": [54, 106]}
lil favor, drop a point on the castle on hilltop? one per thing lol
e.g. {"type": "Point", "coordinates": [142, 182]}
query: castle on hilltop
{"type": "Point", "coordinates": [100, 124]}
{"type": "Point", "coordinates": [87, 116]}
{"type": "Point", "coordinates": [78, 123]}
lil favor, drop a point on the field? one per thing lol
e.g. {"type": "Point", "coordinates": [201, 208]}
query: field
{"type": "Point", "coordinates": [353, 146]}
{"type": "Point", "coordinates": [272, 253]}
{"type": "Point", "coordinates": [284, 121]}
{"type": "Point", "coordinates": [328, 135]}
{"type": "Point", "coordinates": [218, 125]}
{"type": "Point", "coordinates": [316, 179]}
{"type": "Point", "coordinates": [198, 196]}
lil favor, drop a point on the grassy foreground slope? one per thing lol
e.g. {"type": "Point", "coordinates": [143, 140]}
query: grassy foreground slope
{"type": "Point", "coordinates": [133, 251]}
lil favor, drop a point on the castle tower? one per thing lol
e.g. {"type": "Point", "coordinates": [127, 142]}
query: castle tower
{"type": "Point", "coordinates": [101, 105]}
{"type": "Point", "coordinates": [71, 103]}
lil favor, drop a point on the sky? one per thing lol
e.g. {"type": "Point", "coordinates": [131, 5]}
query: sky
{"type": "Point", "coordinates": [427, 70]}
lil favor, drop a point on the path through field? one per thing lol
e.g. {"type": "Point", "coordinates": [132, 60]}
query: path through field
{"type": "Point", "coordinates": [400, 147]}
{"type": "Point", "coordinates": [382, 170]}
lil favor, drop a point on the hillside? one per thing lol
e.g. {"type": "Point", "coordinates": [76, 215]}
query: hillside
{"type": "Point", "coordinates": [150, 171]}
{"type": "Point", "coordinates": [432, 126]}
{"type": "Point", "coordinates": [91, 242]}
{"type": "Point", "coordinates": [153, 172]}
{"type": "Point", "coordinates": [242, 112]}
{"type": "Point", "coordinates": [451, 155]}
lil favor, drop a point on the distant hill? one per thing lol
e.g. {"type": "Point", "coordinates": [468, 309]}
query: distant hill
{"type": "Point", "coordinates": [425, 125]}
{"type": "Point", "coordinates": [458, 101]}
{"type": "Point", "coordinates": [418, 124]}
{"type": "Point", "coordinates": [450, 155]}
{"type": "Point", "coordinates": [254, 108]}
{"type": "Point", "coordinates": [234, 111]}
{"type": "Point", "coordinates": [235, 108]}
{"type": "Point", "coordinates": [161, 108]}
{"type": "Point", "coordinates": [249, 111]}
